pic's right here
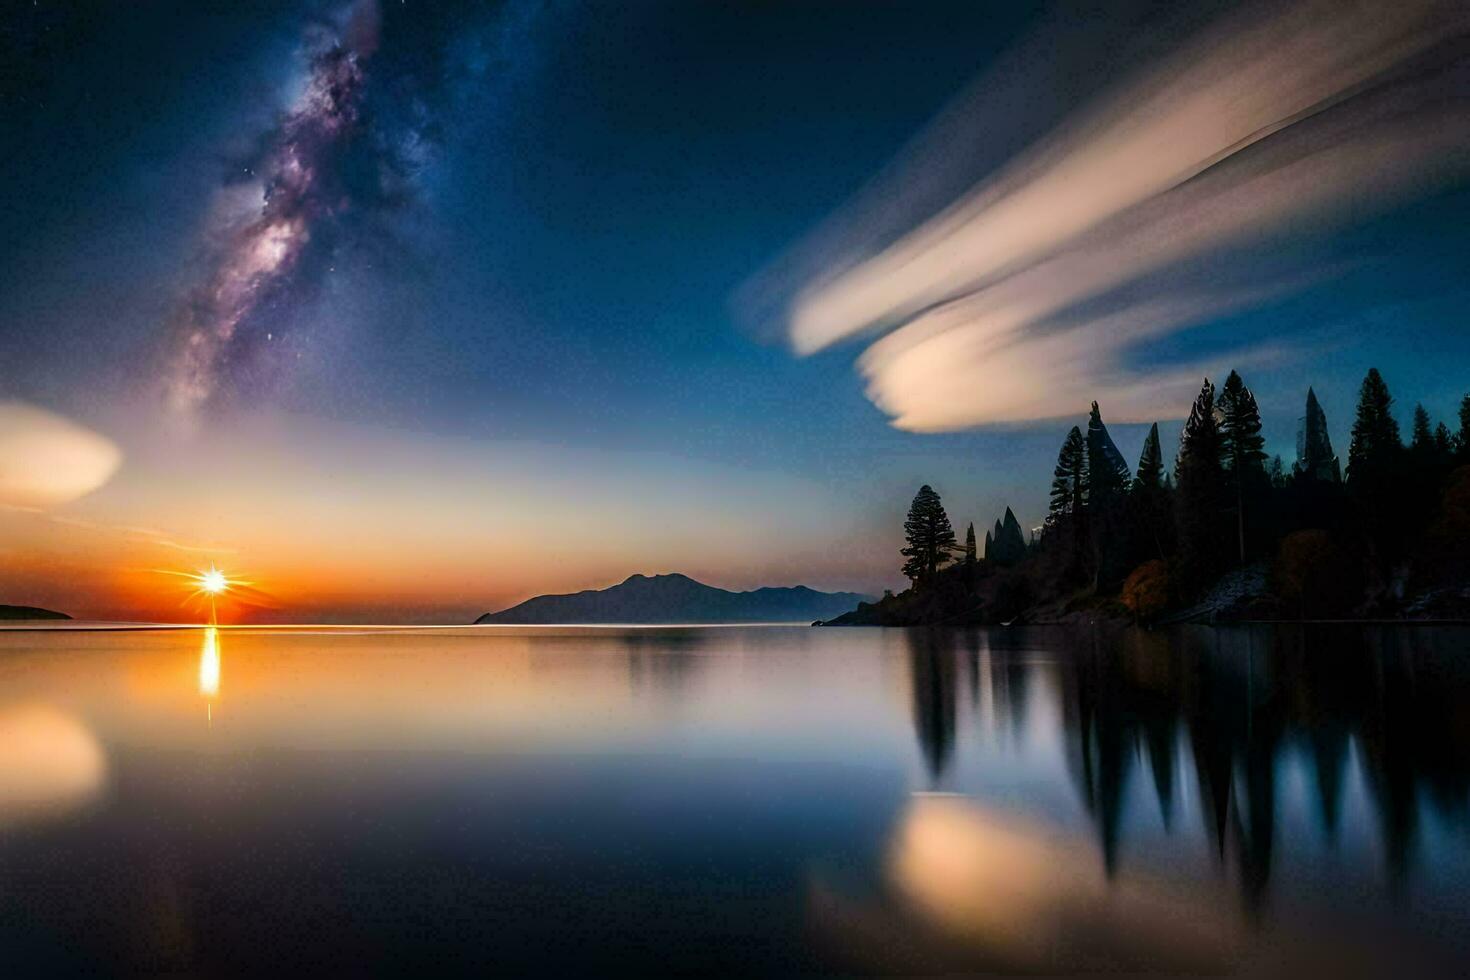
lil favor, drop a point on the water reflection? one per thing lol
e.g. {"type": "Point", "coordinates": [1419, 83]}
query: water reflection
{"type": "Point", "coordinates": [209, 668]}
{"type": "Point", "coordinates": [661, 662]}
{"type": "Point", "coordinates": [209, 663]}
{"type": "Point", "coordinates": [736, 801]}
{"type": "Point", "coordinates": [49, 762]}
{"type": "Point", "coordinates": [932, 667]}
{"type": "Point", "coordinates": [1233, 706]}
{"type": "Point", "coordinates": [1032, 900]}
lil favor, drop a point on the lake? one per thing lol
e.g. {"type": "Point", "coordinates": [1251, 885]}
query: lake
{"type": "Point", "coordinates": [735, 800]}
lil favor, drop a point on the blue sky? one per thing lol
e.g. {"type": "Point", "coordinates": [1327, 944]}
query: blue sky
{"type": "Point", "coordinates": [589, 191]}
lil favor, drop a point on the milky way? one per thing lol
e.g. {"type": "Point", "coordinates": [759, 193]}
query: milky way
{"type": "Point", "coordinates": [306, 184]}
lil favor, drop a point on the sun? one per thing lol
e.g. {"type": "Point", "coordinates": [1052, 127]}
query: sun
{"type": "Point", "coordinates": [211, 584]}
{"type": "Point", "coordinates": [213, 581]}
{"type": "Point", "coordinates": [215, 589]}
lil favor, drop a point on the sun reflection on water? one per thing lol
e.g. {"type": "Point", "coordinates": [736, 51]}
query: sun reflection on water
{"type": "Point", "coordinates": [209, 668]}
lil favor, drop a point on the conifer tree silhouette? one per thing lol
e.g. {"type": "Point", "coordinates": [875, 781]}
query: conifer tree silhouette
{"type": "Point", "coordinates": [1243, 450]}
{"type": "Point", "coordinates": [930, 537]}
{"type": "Point", "coordinates": [1199, 498]}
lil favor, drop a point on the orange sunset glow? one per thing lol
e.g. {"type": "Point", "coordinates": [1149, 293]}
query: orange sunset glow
{"type": "Point", "coordinates": [745, 488]}
{"type": "Point", "coordinates": [308, 513]}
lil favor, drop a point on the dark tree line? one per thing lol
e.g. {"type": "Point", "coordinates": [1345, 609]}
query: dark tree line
{"type": "Point", "coordinates": [931, 542]}
{"type": "Point", "coordinates": [1338, 541]}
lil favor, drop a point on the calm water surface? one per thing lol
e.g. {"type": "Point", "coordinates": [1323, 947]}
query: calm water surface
{"type": "Point", "coordinates": [763, 799]}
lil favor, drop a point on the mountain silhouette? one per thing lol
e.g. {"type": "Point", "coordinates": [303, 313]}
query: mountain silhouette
{"type": "Point", "coordinates": [678, 599]}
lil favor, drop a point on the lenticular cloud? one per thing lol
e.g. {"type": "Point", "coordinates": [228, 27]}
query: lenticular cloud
{"type": "Point", "coordinates": [996, 307]}
{"type": "Point", "coordinates": [46, 460]}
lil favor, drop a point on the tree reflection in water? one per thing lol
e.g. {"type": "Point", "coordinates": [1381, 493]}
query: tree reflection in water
{"type": "Point", "coordinates": [932, 668]}
{"type": "Point", "coordinates": [1240, 698]}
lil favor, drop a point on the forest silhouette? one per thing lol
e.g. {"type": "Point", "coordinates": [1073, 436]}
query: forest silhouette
{"type": "Point", "coordinates": [1225, 534]}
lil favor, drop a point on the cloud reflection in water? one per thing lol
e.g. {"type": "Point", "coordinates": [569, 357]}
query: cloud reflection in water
{"type": "Point", "coordinates": [1037, 898]}
{"type": "Point", "coordinates": [49, 762]}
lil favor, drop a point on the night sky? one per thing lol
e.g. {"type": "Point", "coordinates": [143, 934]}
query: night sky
{"type": "Point", "coordinates": [413, 312]}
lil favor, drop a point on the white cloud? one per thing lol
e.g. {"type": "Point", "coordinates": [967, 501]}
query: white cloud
{"type": "Point", "coordinates": [47, 460]}
{"type": "Point", "coordinates": [1258, 124]}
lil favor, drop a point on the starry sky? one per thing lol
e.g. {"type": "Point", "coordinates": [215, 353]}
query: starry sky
{"type": "Point", "coordinates": [411, 311]}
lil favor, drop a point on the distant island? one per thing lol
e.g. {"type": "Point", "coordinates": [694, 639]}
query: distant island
{"type": "Point", "coordinates": [29, 612]}
{"type": "Point", "coordinates": [677, 599]}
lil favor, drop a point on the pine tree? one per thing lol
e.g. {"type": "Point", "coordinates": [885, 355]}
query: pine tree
{"type": "Point", "coordinates": [930, 537]}
{"type": "Point", "coordinates": [1242, 448]}
{"type": "Point", "coordinates": [970, 544]}
{"type": "Point", "coordinates": [1421, 439]}
{"type": "Point", "coordinates": [1200, 493]}
{"type": "Point", "coordinates": [989, 545]}
{"type": "Point", "coordinates": [1012, 529]}
{"type": "Point", "coordinates": [1066, 518]}
{"type": "Point", "coordinates": [1444, 443]}
{"type": "Point", "coordinates": [1108, 479]}
{"type": "Point", "coordinates": [1150, 462]}
{"type": "Point", "coordinates": [1148, 499]}
{"type": "Point", "coordinates": [1390, 501]}
{"type": "Point", "coordinates": [1376, 447]}
{"type": "Point", "coordinates": [1314, 458]}
{"type": "Point", "coordinates": [1107, 472]}
{"type": "Point", "coordinates": [1069, 480]}
{"type": "Point", "coordinates": [1009, 541]}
